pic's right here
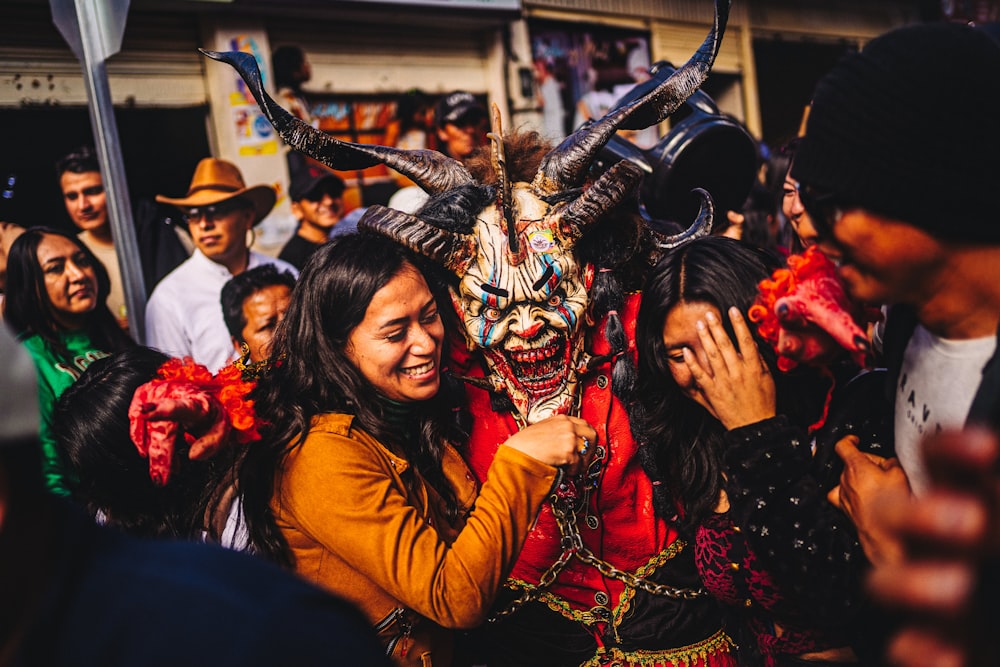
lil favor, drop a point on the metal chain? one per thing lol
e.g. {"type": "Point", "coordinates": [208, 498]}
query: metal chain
{"type": "Point", "coordinates": [632, 580]}
{"type": "Point", "coordinates": [550, 574]}
{"type": "Point", "coordinates": [532, 594]}
{"type": "Point", "coordinates": [572, 542]}
{"type": "Point", "coordinates": [572, 545]}
{"type": "Point", "coordinates": [570, 532]}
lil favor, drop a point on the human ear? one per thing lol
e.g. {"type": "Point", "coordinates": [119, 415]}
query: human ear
{"type": "Point", "coordinates": [249, 214]}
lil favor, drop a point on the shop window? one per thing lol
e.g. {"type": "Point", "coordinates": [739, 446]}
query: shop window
{"type": "Point", "coordinates": [363, 119]}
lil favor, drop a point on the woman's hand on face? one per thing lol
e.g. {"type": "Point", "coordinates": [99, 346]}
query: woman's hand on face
{"type": "Point", "coordinates": [737, 384]}
{"type": "Point", "coordinates": [560, 440]}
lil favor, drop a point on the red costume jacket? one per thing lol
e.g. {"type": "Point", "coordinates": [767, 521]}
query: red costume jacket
{"type": "Point", "coordinates": [618, 525]}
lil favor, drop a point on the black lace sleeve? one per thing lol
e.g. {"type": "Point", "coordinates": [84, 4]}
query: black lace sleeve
{"type": "Point", "coordinates": [809, 546]}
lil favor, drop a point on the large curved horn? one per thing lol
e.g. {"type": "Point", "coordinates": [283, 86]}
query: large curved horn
{"type": "Point", "coordinates": [431, 170]}
{"type": "Point", "coordinates": [566, 164]}
{"type": "Point", "coordinates": [606, 192]}
{"type": "Point", "coordinates": [499, 159]}
{"type": "Point", "coordinates": [453, 251]}
{"type": "Point", "coordinates": [701, 226]}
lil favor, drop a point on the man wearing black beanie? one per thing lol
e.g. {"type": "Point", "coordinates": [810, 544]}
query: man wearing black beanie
{"type": "Point", "coordinates": [899, 169]}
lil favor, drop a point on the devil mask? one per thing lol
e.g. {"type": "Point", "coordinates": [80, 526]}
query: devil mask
{"type": "Point", "coordinates": [524, 308]}
{"type": "Point", "coordinates": [522, 292]}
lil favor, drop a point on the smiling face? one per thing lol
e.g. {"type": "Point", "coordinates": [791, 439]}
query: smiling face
{"type": "Point", "coordinates": [70, 280]}
{"type": "Point", "coordinates": [525, 312]}
{"type": "Point", "coordinates": [321, 210]}
{"type": "Point", "coordinates": [680, 332]}
{"type": "Point", "coordinates": [262, 311]}
{"type": "Point", "coordinates": [462, 139]}
{"type": "Point", "coordinates": [85, 199]}
{"type": "Point", "coordinates": [397, 346]}
{"type": "Point", "coordinates": [795, 213]}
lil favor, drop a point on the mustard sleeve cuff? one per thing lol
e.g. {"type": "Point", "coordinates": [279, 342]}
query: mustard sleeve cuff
{"type": "Point", "coordinates": [528, 464]}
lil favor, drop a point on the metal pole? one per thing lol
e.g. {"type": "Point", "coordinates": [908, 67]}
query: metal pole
{"type": "Point", "coordinates": [94, 24]}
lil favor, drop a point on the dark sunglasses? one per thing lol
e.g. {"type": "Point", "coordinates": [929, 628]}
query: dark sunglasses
{"type": "Point", "coordinates": [213, 212]}
{"type": "Point", "coordinates": [318, 194]}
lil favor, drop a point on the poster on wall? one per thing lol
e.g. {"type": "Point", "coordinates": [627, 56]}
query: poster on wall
{"type": "Point", "coordinates": [254, 133]}
{"type": "Point", "coordinates": [583, 70]}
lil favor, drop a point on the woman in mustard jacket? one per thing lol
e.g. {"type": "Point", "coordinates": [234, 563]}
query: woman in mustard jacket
{"type": "Point", "coordinates": [358, 483]}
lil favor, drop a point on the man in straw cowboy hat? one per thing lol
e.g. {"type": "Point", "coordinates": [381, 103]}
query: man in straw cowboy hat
{"type": "Point", "coordinates": [184, 315]}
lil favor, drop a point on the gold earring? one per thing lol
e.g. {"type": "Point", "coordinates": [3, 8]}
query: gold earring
{"type": "Point", "coordinates": [244, 363]}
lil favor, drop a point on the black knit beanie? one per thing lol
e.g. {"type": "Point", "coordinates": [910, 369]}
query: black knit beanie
{"type": "Point", "coordinates": [909, 128]}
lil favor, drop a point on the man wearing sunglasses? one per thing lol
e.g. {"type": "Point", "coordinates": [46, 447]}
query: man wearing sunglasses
{"type": "Point", "coordinates": [184, 315]}
{"type": "Point", "coordinates": [317, 197]}
{"type": "Point", "coordinates": [899, 170]}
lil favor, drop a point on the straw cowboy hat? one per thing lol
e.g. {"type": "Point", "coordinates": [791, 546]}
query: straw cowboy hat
{"type": "Point", "coordinates": [216, 181]}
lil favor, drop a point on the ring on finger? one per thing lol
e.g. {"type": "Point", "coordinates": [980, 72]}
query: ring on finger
{"type": "Point", "coordinates": [585, 447]}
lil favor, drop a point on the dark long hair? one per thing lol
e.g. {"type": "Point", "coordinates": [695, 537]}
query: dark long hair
{"type": "Point", "coordinates": [28, 309]}
{"type": "Point", "coordinates": [313, 375]}
{"type": "Point", "coordinates": [91, 426]}
{"type": "Point", "coordinates": [681, 444]}
{"type": "Point", "coordinates": [407, 106]}
{"type": "Point", "coordinates": [286, 62]}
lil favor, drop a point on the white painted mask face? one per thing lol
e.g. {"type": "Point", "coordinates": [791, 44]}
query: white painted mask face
{"type": "Point", "coordinates": [524, 309]}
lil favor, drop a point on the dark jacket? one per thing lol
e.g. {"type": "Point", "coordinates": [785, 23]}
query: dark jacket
{"type": "Point", "coordinates": [777, 490]}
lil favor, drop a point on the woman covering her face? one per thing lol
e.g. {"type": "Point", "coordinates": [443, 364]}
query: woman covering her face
{"type": "Point", "coordinates": [745, 453]}
{"type": "Point", "coordinates": [358, 483]}
{"type": "Point", "coordinates": [55, 302]}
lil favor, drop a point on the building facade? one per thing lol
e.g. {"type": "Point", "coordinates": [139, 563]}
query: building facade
{"type": "Point", "coordinates": [174, 106]}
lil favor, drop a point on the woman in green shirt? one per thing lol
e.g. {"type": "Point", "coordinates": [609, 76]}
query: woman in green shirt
{"type": "Point", "coordinates": [55, 303]}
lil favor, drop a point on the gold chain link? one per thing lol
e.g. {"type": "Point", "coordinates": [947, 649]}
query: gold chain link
{"type": "Point", "coordinates": [572, 542]}
{"type": "Point", "coordinates": [572, 546]}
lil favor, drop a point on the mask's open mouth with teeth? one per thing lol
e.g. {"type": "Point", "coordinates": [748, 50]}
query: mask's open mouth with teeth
{"type": "Point", "coordinates": [540, 370]}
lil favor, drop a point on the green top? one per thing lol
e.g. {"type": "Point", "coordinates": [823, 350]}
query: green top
{"type": "Point", "coordinates": [401, 416]}
{"type": "Point", "coordinates": [55, 375]}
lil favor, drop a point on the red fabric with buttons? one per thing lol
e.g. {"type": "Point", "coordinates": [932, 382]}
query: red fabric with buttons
{"type": "Point", "coordinates": [628, 534]}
